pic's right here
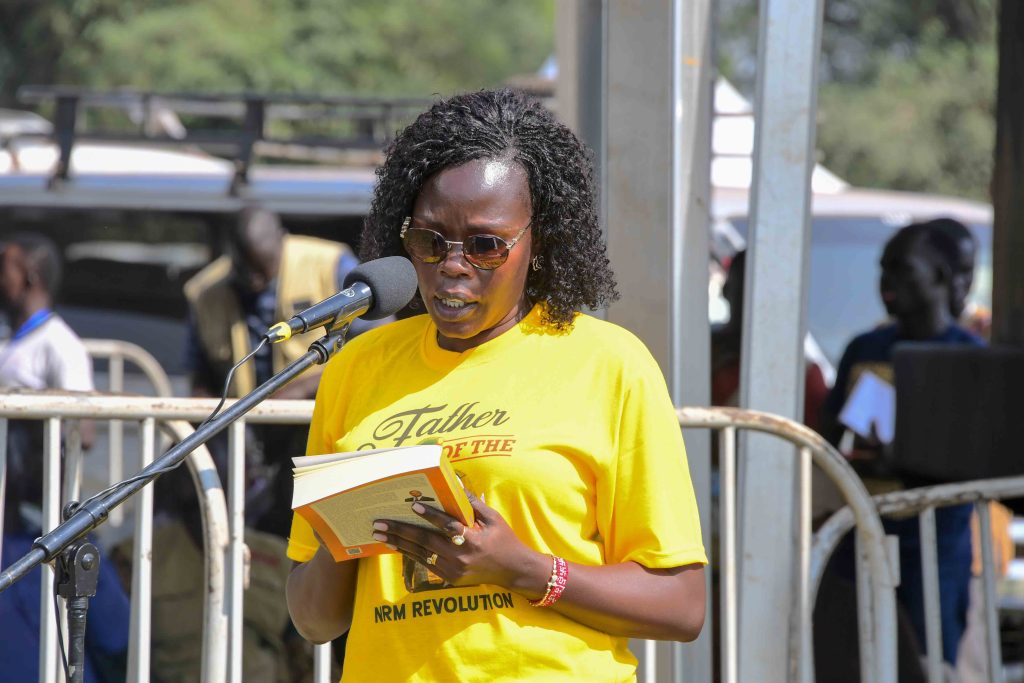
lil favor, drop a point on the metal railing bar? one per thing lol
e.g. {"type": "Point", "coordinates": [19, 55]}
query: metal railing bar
{"type": "Point", "coordinates": [930, 587]}
{"type": "Point", "coordinates": [45, 404]}
{"type": "Point", "coordinates": [115, 433]}
{"type": "Point", "coordinates": [988, 578]}
{"type": "Point", "coordinates": [140, 623]}
{"type": "Point", "coordinates": [236, 545]}
{"type": "Point", "coordinates": [48, 654]}
{"type": "Point", "coordinates": [137, 356]}
{"type": "Point", "coordinates": [214, 514]}
{"type": "Point", "coordinates": [909, 501]}
{"type": "Point", "coordinates": [3, 478]}
{"type": "Point", "coordinates": [858, 501]}
{"type": "Point", "coordinates": [73, 464]}
{"type": "Point", "coordinates": [803, 668]}
{"type": "Point", "coordinates": [727, 538]}
{"type": "Point", "coordinates": [322, 663]}
{"type": "Point", "coordinates": [865, 625]}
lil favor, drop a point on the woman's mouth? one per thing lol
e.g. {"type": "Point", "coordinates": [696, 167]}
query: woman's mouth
{"type": "Point", "coordinates": [452, 308]}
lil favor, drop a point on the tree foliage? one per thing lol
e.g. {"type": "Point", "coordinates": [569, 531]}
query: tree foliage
{"type": "Point", "coordinates": [409, 47]}
{"type": "Point", "coordinates": [907, 90]}
{"type": "Point", "coordinates": [924, 123]}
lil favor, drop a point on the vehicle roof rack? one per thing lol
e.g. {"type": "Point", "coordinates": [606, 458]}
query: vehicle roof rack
{"type": "Point", "coordinates": [361, 123]}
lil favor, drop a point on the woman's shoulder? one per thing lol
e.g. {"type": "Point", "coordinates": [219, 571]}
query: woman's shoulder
{"type": "Point", "coordinates": [381, 342]}
{"type": "Point", "coordinates": [407, 328]}
{"type": "Point", "coordinates": [609, 342]}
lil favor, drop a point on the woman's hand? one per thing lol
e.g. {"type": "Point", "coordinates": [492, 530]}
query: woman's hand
{"type": "Point", "coordinates": [624, 599]}
{"type": "Point", "coordinates": [491, 552]}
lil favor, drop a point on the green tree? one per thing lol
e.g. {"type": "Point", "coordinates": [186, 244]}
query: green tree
{"type": "Point", "coordinates": [924, 123]}
{"type": "Point", "coordinates": [907, 90]}
{"type": "Point", "coordinates": [409, 47]}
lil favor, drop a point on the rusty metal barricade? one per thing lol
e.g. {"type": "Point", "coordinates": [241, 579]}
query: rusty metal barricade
{"type": "Point", "coordinates": [223, 517]}
{"type": "Point", "coordinates": [226, 552]}
{"type": "Point", "coordinates": [876, 566]}
{"type": "Point", "coordinates": [121, 356]}
{"type": "Point", "coordinates": [923, 502]}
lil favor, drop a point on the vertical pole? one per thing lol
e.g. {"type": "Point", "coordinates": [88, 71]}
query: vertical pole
{"type": "Point", "coordinates": [1008, 181]}
{"type": "Point", "coordinates": [657, 118]}
{"type": "Point", "coordinates": [727, 569]}
{"type": "Point", "coordinates": [994, 657]}
{"type": "Point", "coordinates": [48, 654]}
{"type": "Point", "coordinates": [116, 435]}
{"type": "Point", "coordinates": [236, 546]}
{"type": "Point", "coordinates": [142, 568]}
{"type": "Point", "coordinates": [930, 588]}
{"type": "Point", "coordinates": [3, 477]}
{"type": "Point", "coordinates": [322, 663]}
{"type": "Point", "coordinates": [802, 637]}
{"type": "Point", "coordinates": [772, 373]}
{"type": "Point", "coordinates": [689, 335]}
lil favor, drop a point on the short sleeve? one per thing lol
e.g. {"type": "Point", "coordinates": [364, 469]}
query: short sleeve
{"type": "Point", "coordinates": [302, 544]}
{"type": "Point", "coordinates": [652, 519]}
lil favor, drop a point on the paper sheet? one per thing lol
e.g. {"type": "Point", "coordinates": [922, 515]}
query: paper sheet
{"type": "Point", "coordinates": [872, 401]}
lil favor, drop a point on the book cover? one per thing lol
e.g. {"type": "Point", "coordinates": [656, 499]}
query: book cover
{"type": "Point", "coordinates": [341, 494]}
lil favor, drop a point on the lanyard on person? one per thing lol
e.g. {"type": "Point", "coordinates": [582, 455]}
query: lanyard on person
{"type": "Point", "coordinates": [34, 321]}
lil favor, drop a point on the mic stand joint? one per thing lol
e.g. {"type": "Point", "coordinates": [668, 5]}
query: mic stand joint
{"type": "Point", "coordinates": [77, 572]}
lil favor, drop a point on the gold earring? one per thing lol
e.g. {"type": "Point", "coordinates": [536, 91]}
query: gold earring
{"type": "Point", "coordinates": [536, 261]}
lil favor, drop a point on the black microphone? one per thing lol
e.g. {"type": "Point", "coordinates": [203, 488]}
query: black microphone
{"type": "Point", "coordinates": [373, 290]}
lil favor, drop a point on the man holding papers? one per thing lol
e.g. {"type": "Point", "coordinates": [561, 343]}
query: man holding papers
{"type": "Point", "coordinates": [918, 268]}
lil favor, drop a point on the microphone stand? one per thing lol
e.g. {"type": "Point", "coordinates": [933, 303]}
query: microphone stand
{"type": "Point", "coordinates": [77, 566]}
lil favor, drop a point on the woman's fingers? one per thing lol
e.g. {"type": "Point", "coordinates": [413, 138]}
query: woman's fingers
{"type": "Point", "coordinates": [484, 512]}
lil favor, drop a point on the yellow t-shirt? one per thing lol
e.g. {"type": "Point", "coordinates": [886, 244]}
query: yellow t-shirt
{"type": "Point", "coordinates": [570, 436]}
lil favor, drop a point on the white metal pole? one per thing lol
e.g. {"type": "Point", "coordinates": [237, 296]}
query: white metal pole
{"type": "Point", "coordinates": [772, 372]}
{"type": "Point", "coordinates": [142, 568]}
{"type": "Point", "coordinates": [689, 368]}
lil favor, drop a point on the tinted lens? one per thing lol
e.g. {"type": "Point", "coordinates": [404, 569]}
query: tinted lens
{"type": "Point", "coordinates": [485, 251]}
{"type": "Point", "coordinates": [426, 245]}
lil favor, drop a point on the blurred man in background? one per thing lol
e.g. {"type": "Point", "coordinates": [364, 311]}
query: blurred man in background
{"type": "Point", "coordinates": [43, 353]}
{"type": "Point", "coordinates": [920, 269]}
{"type": "Point", "coordinates": [727, 342]}
{"type": "Point", "coordinates": [267, 276]}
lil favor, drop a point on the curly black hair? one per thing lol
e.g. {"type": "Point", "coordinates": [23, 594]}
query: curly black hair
{"type": "Point", "coordinates": [573, 269]}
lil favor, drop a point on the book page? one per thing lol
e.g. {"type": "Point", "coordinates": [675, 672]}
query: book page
{"type": "Point", "coordinates": [329, 474]}
{"type": "Point", "coordinates": [302, 463]}
{"type": "Point", "coordinates": [872, 401]}
{"type": "Point", "coordinates": [351, 514]}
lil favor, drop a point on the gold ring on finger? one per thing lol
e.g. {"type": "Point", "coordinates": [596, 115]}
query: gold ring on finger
{"type": "Point", "coordinates": [458, 539]}
{"type": "Point", "coordinates": [432, 560]}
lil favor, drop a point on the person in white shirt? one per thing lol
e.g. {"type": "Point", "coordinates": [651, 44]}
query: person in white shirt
{"type": "Point", "coordinates": [42, 351]}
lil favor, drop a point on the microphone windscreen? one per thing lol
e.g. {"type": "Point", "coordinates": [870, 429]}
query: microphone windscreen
{"type": "Point", "coordinates": [392, 280]}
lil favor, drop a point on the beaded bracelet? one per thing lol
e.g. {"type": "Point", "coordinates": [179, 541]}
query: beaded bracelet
{"type": "Point", "coordinates": [556, 584]}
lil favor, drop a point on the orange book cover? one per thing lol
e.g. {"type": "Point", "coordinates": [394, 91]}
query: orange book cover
{"type": "Point", "coordinates": [340, 495]}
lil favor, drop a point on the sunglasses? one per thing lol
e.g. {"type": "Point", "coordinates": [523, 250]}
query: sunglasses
{"type": "Point", "coordinates": [485, 252]}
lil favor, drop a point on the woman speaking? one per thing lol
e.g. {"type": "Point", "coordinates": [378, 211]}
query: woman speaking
{"type": "Point", "coordinates": [558, 424]}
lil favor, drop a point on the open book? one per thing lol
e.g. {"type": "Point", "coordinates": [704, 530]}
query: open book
{"type": "Point", "coordinates": [341, 494]}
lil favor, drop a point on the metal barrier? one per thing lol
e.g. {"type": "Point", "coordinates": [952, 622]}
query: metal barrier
{"type": "Point", "coordinates": [226, 555]}
{"type": "Point", "coordinates": [117, 352]}
{"type": "Point", "coordinates": [223, 521]}
{"type": "Point", "coordinates": [876, 568]}
{"type": "Point", "coordinates": [924, 501]}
